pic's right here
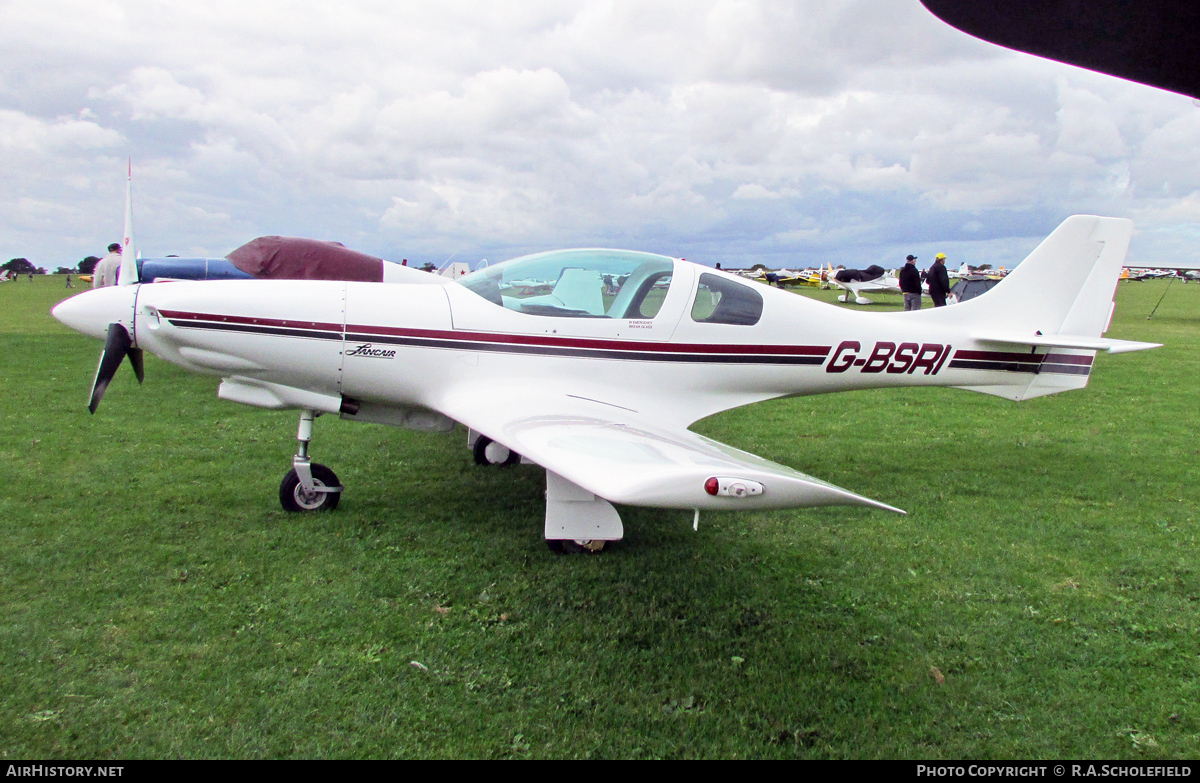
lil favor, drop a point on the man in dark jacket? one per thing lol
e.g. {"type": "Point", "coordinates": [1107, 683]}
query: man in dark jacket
{"type": "Point", "coordinates": [939, 280]}
{"type": "Point", "coordinates": [910, 284]}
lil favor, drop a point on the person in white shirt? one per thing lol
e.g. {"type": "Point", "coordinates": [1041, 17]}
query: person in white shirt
{"type": "Point", "coordinates": [107, 268]}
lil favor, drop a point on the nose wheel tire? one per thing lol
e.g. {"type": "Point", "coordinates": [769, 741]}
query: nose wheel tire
{"type": "Point", "coordinates": [293, 497]}
{"type": "Point", "coordinates": [567, 546]}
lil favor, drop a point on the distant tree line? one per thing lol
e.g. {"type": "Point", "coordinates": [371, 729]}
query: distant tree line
{"type": "Point", "coordinates": [22, 266]}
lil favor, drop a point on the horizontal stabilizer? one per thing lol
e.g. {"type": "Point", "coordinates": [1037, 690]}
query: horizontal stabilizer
{"type": "Point", "coordinates": [1064, 341]}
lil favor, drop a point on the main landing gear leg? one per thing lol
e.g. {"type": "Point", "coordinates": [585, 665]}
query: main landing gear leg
{"type": "Point", "coordinates": [308, 486]}
{"type": "Point", "coordinates": [577, 520]}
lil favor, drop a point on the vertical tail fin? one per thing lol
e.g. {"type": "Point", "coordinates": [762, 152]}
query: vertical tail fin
{"type": "Point", "coordinates": [1064, 287]}
{"type": "Point", "coordinates": [1046, 318]}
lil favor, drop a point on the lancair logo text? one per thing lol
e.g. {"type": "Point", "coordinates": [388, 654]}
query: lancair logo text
{"type": "Point", "coordinates": [370, 351]}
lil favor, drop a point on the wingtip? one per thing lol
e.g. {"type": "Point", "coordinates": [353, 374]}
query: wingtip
{"type": "Point", "coordinates": [863, 500]}
{"type": "Point", "coordinates": [1128, 346]}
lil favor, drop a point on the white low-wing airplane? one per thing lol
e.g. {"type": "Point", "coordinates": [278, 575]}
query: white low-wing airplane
{"type": "Point", "coordinates": [598, 379]}
{"type": "Point", "coordinates": [858, 281]}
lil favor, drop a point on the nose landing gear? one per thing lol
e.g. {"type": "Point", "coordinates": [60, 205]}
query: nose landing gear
{"type": "Point", "coordinates": [308, 486]}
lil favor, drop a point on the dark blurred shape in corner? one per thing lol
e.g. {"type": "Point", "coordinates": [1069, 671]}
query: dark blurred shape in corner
{"type": "Point", "coordinates": [1155, 42]}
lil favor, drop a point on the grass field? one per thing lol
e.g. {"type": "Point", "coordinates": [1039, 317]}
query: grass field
{"type": "Point", "coordinates": [1040, 599]}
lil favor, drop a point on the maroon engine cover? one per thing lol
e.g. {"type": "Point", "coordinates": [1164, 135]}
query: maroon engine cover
{"type": "Point", "coordinates": [295, 258]}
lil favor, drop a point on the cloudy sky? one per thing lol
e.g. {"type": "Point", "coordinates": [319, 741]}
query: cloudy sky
{"type": "Point", "coordinates": [790, 132]}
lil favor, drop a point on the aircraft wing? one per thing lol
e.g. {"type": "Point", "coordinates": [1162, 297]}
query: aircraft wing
{"type": "Point", "coordinates": [626, 457]}
{"type": "Point", "coordinates": [1154, 43]}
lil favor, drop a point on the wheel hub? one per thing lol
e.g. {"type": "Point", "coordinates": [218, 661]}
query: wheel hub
{"type": "Point", "coordinates": [309, 500]}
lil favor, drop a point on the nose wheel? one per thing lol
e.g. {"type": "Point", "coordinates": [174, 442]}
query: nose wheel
{"type": "Point", "coordinates": [324, 495]}
{"type": "Point", "coordinates": [308, 486]}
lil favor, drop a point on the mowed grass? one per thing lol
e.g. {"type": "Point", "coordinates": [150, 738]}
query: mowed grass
{"type": "Point", "coordinates": [1039, 600]}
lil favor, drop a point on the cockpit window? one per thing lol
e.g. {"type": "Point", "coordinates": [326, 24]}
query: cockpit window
{"type": "Point", "coordinates": [721, 301]}
{"type": "Point", "coordinates": [578, 283]}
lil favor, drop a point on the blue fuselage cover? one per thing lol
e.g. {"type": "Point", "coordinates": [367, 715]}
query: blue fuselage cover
{"type": "Point", "coordinates": [151, 269]}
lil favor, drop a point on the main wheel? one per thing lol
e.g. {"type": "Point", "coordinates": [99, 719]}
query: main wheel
{"type": "Point", "coordinates": [489, 452]}
{"type": "Point", "coordinates": [293, 497]}
{"type": "Point", "coordinates": [567, 546]}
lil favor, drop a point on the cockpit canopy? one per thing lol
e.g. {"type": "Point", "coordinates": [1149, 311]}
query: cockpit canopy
{"type": "Point", "coordinates": [578, 283]}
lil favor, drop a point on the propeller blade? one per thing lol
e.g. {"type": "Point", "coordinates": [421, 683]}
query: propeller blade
{"type": "Point", "coordinates": [116, 347]}
{"type": "Point", "coordinates": [136, 362]}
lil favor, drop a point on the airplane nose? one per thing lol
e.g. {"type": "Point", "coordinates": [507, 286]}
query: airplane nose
{"type": "Point", "coordinates": [90, 312]}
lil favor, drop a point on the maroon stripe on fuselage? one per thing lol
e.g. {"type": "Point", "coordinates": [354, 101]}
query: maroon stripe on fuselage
{"type": "Point", "coordinates": [585, 342]}
{"type": "Point", "coordinates": [1023, 358]}
{"type": "Point", "coordinates": [179, 315]}
{"type": "Point", "coordinates": [999, 356]}
{"type": "Point", "coordinates": [362, 330]}
{"type": "Point", "coordinates": [1066, 358]}
{"type": "Point", "coordinates": [1004, 361]}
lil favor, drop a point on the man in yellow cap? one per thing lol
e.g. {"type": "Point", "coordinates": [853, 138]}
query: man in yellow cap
{"type": "Point", "coordinates": [939, 280]}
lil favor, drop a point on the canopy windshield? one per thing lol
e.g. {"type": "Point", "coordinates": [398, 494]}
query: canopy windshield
{"type": "Point", "coordinates": [577, 283]}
